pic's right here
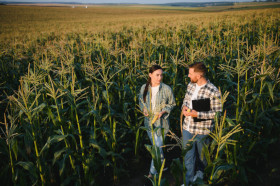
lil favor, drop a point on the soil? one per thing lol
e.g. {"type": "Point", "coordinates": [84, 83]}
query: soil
{"type": "Point", "coordinates": [268, 172]}
{"type": "Point", "coordinates": [140, 169]}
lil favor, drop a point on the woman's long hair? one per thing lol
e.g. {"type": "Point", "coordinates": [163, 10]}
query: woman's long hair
{"type": "Point", "coordinates": [151, 70]}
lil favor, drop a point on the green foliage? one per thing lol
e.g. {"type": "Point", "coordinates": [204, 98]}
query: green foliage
{"type": "Point", "coordinates": [71, 98]}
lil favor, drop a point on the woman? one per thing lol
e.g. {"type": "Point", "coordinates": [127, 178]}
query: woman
{"type": "Point", "coordinates": [156, 100]}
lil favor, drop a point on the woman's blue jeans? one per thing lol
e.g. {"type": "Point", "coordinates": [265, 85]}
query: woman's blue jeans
{"type": "Point", "coordinates": [193, 159]}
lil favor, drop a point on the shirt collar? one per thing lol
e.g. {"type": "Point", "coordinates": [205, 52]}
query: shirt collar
{"type": "Point", "coordinates": [206, 84]}
{"type": "Point", "coordinates": [160, 86]}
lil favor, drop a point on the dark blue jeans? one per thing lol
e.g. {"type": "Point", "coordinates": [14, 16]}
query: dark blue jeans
{"type": "Point", "coordinates": [193, 159]}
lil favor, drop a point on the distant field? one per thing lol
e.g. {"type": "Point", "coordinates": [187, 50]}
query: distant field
{"type": "Point", "coordinates": [25, 20]}
{"type": "Point", "coordinates": [70, 81]}
{"type": "Point", "coordinates": [31, 21]}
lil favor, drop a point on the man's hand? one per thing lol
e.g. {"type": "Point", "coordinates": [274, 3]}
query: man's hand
{"type": "Point", "coordinates": [185, 110]}
{"type": "Point", "coordinates": [189, 112]}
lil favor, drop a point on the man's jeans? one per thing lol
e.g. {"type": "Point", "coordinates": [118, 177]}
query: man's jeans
{"type": "Point", "coordinates": [193, 160]}
{"type": "Point", "coordinates": [158, 143]}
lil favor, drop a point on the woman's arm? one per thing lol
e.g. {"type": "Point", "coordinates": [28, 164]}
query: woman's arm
{"type": "Point", "coordinates": [141, 102]}
{"type": "Point", "coordinates": [170, 104]}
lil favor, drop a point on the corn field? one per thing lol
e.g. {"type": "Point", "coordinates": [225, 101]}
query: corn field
{"type": "Point", "coordinates": [70, 79]}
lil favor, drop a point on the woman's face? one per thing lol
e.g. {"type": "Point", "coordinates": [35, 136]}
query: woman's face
{"type": "Point", "coordinates": [156, 77]}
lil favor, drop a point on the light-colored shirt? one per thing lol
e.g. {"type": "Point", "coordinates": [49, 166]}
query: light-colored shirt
{"type": "Point", "coordinates": [154, 94]}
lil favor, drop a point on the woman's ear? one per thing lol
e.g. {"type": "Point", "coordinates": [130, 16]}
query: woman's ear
{"type": "Point", "coordinates": [150, 74]}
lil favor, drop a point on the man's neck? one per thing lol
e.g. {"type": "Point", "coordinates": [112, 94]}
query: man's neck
{"type": "Point", "coordinates": [201, 81]}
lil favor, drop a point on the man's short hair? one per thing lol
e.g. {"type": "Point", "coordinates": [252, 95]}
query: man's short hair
{"type": "Point", "coordinates": [199, 67]}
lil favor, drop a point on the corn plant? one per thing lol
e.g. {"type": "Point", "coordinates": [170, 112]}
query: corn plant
{"type": "Point", "coordinates": [70, 89]}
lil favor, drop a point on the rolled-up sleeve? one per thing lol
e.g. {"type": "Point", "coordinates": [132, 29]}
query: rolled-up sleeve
{"type": "Point", "coordinates": [170, 103]}
{"type": "Point", "coordinates": [185, 101]}
{"type": "Point", "coordinates": [187, 96]}
{"type": "Point", "coordinates": [141, 100]}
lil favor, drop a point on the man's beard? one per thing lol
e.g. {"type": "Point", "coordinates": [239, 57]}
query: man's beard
{"type": "Point", "coordinates": [193, 81]}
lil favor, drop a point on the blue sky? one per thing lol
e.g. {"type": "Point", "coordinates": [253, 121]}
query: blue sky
{"type": "Point", "coordinates": [126, 1]}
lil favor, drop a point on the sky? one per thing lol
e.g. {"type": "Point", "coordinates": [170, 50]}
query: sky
{"type": "Point", "coordinates": [126, 1]}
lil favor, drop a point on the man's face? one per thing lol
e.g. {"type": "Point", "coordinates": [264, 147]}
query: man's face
{"type": "Point", "coordinates": [194, 76]}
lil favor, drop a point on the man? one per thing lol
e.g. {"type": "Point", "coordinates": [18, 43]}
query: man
{"type": "Point", "coordinates": [201, 103]}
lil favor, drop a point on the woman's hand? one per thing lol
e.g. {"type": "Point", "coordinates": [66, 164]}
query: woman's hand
{"type": "Point", "coordinates": [157, 116]}
{"type": "Point", "coordinates": [161, 113]}
{"type": "Point", "coordinates": [145, 112]}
